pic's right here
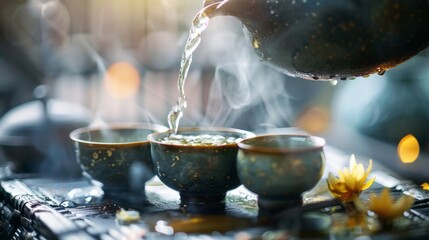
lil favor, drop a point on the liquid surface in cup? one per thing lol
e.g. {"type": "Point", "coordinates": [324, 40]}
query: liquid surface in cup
{"type": "Point", "coordinates": [115, 135]}
{"type": "Point", "coordinates": [199, 140]}
{"type": "Point", "coordinates": [199, 24]}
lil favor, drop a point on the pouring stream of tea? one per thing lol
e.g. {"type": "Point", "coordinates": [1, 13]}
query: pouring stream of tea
{"type": "Point", "coordinates": [199, 24]}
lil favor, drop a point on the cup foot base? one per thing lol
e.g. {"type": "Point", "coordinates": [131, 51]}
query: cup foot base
{"type": "Point", "coordinates": [202, 203]}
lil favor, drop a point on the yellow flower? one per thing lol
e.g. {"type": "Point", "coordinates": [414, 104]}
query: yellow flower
{"type": "Point", "coordinates": [351, 182]}
{"type": "Point", "coordinates": [386, 208]}
{"type": "Point", "coordinates": [425, 186]}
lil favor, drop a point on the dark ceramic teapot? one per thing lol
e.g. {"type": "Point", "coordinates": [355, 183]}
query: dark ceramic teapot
{"type": "Point", "coordinates": [332, 39]}
{"type": "Point", "coordinates": [34, 136]}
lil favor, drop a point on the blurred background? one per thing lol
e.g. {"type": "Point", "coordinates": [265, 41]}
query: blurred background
{"type": "Point", "coordinates": [120, 60]}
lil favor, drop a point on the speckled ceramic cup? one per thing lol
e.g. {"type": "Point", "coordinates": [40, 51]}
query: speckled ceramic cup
{"type": "Point", "coordinates": [202, 174]}
{"type": "Point", "coordinates": [115, 156]}
{"type": "Point", "coordinates": [279, 168]}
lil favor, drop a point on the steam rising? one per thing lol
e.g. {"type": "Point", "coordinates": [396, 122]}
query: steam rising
{"type": "Point", "coordinates": [105, 102]}
{"type": "Point", "coordinates": [229, 86]}
{"type": "Point", "coordinates": [245, 93]}
{"type": "Point", "coordinates": [235, 87]}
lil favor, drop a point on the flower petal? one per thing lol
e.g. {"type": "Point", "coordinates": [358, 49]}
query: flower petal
{"type": "Point", "coordinates": [403, 203]}
{"type": "Point", "coordinates": [359, 174]}
{"type": "Point", "coordinates": [352, 163]}
{"type": "Point", "coordinates": [368, 184]}
{"type": "Point", "coordinates": [349, 181]}
{"type": "Point", "coordinates": [386, 208]}
{"type": "Point", "coordinates": [332, 179]}
{"type": "Point", "coordinates": [335, 185]}
{"type": "Point", "coordinates": [385, 195]}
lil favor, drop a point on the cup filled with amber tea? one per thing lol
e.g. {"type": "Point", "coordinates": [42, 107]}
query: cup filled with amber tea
{"type": "Point", "coordinates": [117, 156]}
{"type": "Point", "coordinates": [200, 163]}
{"type": "Point", "coordinates": [279, 168]}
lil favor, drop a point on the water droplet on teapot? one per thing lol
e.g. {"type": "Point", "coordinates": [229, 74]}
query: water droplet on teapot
{"type": "Point", "coordinates": [333, 82]}
{"type": "Point", "coordinates": [296, 55]}
{"type": "Point", "coordinates": [381, 73]}
{"type": "Point", "coordinates": [255, 43]}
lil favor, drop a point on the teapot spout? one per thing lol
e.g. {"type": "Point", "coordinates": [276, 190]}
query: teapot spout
{"type": "Point", "coordinates": [209, 2]}
{"type": "Point", "coordinates": [225, 7]}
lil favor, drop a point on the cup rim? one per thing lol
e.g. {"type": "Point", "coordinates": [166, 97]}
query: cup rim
{"type": "Point", "coordinates": [319, 144]}
{"type": "Point", "coordinates": [115, 126]}
{"type": "Point", "coordinates": [151, 137]}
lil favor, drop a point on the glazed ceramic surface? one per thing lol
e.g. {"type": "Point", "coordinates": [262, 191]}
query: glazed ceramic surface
{"type": "Point", "coordinates": [202, 173]}
{"type": "Point", "coordinates": [107, 155]}
{"type": "Point", "coordinates": [279, 168]}
{"type": "Point", "coordinates": [332, 39]}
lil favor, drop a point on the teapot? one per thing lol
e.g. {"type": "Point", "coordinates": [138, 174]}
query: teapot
{"type": "Point", "coordinates": [34, 136]}
{"type": "Point", "coordinates": [331, 39]}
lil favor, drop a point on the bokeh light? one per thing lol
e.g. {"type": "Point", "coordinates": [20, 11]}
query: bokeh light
{"type": "Point", "coordinates": [122, 80]}
{"type": "Point", "coordinates": [314, 120]}
{"type": "Point", "coordinates": [408, 149]}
